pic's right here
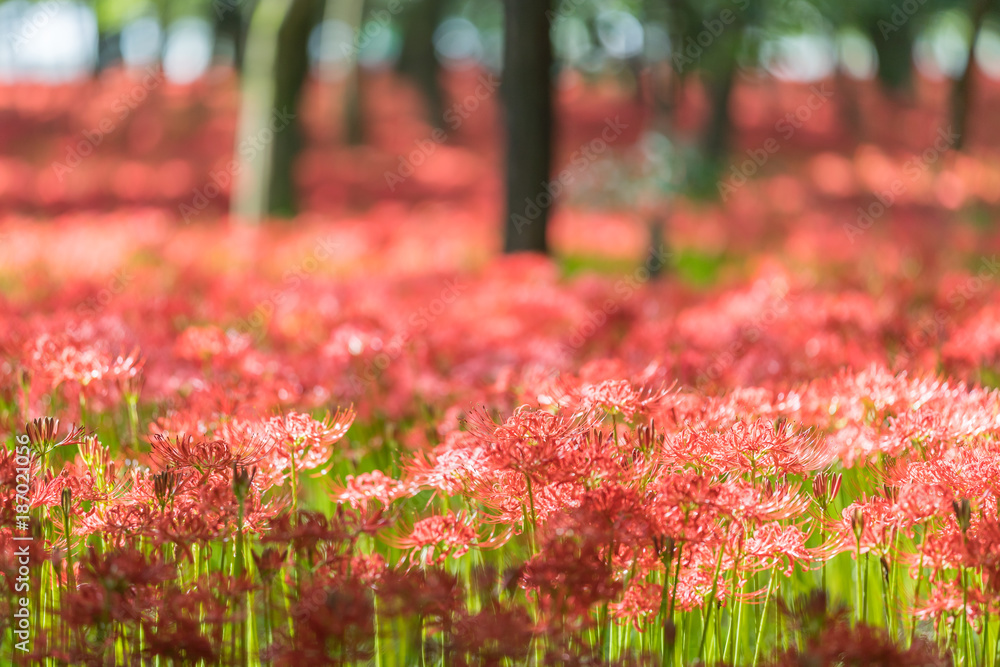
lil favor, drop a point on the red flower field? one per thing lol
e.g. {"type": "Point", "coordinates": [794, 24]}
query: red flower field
{"type": "Point", "coordinates": [363, 437]}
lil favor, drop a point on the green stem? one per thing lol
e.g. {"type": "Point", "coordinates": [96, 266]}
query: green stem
{"type": "Point", "coordinates": [378, 635]}
{"type": "Point", "coordinates": [763, 616]}
{"type": "Point", "coordinates": [711, 606]}
{"type": "Point", "coordinates": [664, 602]}
{"type": "Point", "coordinates": [295, 486]}
{"type": "Point", "coordinates": [533, 517]}
{"type": "Point", "coordinates": [916, 598]}
{"type": "Point", "coordinates": [857, 586]}
{"type": "Point", "coordinates": [864, 601]}
{"type": "Point", "coordinates": [733, 614]}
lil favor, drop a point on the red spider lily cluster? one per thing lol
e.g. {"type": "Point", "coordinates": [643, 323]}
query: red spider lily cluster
{"type": "Point", "coordinates": [495, 465]}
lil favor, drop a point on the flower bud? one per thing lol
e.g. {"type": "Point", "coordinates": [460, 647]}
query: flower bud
{"type": "Point", "coordinates": [858, 523]}
{"type": "Point", "coordinates": [242, 478]}
{"type": "Point", "coordinates": [963, 513]}
{"type": "Point", "coordinates": [67, 501]}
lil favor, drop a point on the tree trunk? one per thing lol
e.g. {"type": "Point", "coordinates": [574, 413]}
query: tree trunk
{"type": "Point", "coordinates": [526, 90]}
{"type": "Point", "coordinates": [229, 24]}
{"type": "Point", "coordinates": [291, 70]}
{"type": "Point", "coordinates": [717, 134]}
{"type": "Point", "coordinates": [269, 134]}
{"type": "Point", "coordinates": [961, 96]}
{"type": "Point", "coordinates": [417, 60]}
{"type": "Point", "coordinates": [895, 53]}
{"type": "Point", "coordinates": [351, 13]}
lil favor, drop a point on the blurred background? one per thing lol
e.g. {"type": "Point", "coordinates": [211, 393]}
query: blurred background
{"type": "Point", "coordinates": [607, 123]}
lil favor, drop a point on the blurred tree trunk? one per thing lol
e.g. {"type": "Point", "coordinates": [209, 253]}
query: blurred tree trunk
{"type": "Point", "coordinates": [108, 51]}
{"type": "Point", "coordinates": [417, 60]}
{"type": "Point", "coordinates": [354, 116]}
{"type": "Point", "coordinates": [526, 90]}
{"type": "Point", "coordinates": [269, 134]}
{"type": "Point", "coordinates": [717, 67]}
{"type": "Point", "coordinates": [229, 24]}
{"type": "Point", "coordinates": [849, 107]}
{"type": "Point", "coordinates": [719, 86]}
{"type": "Point", "coordinates": [961, 96]}
{"type": "Point", "coordinates": [351, 13]}
{"type": "Point", "coordinates": [894, 46]}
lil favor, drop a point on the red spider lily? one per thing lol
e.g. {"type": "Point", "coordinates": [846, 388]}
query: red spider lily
{"type": "Point", "coordinates": [308, 442]}
{"type": "Point", "coordinates": [759, 447]}
{"type": "Point", "coordinates": [640, 601]}
{"type": "Point", "coordinates": [187, 625]}
{"type": "Point", "coordinates": [80, 360]}
{"type": "Point", "coordinates": [42, 434]}
{"type": "Point", "coordinates": [612, 515]}
{"type": "Point", "coordinates": [832, 639]}
{"type": "Point", "coordinates": [436, 538]}
{"type": "Point", "coordinates": [452, 465]}
{"type": "Point", "coordinates": [333, 623]}
{"type": "Point", "coordinates": [206, 456]}
{"type": "Point", "coordinates": [773, 544]}
{"type": "Point", "coordinates": [570, 577]}
{"type": "Point", "coordinates": [428, 593]}
{"type": "Point", "coordinates": [308, 532]}
{"type": "Point", "coordinates": [209, 344]}
{"type": "Point", "coordinates": [530, 442]}
{"type": "Point", "coordinates": [367, 486]}
{"type": "Point", "coordinates": [269, 562]}
{"type": "Point", "coordinates": [869, 524]}
{"type": "Point", "coordinates": [684, 506]}
{"type": "Point", "coordinates": [118, 522]}
{"type": "Point", "coordinates": [493, 636]}
{"type": "Point", "coordinates": [103, 479]}
{"type": "Point", "coordinates": [180, 639]}
{"type": "Point", "coordinates": [612, 396]}
{"type": "Point", "coordinates": [115, 587]}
